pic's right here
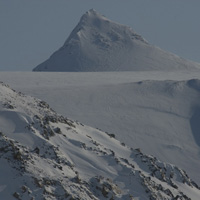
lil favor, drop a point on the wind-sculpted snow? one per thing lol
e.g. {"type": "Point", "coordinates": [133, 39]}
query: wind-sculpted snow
{"type": "Point", "coordinates": [158, 115]}
{"type": "Point", "coordinates": [47, 156]}
{"type": "Point", "coordinates": [98, 44]}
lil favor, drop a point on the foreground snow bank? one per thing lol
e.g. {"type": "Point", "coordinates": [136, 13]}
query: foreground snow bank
{"type": "Point", "coordinates": [44, 155]}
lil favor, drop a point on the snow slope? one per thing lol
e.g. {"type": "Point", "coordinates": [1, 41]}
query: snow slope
{"type": "Point", "coordinates": [143, 109]}
{"type": "Point", "coordinates": [46, 156]}
{"type": "Point", "coordinates": [98, 44]}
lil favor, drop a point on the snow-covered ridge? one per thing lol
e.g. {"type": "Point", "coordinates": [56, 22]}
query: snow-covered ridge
{"type": "Point", "coordinates": [51, 157]}
{"type": "Point", "coordinates": [93, 20]}
{"type": "Point", "coordinates": [98, 44]}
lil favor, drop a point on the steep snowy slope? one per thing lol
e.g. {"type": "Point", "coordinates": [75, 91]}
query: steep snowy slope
{"type": "Point", "coordinates": [161, 117]}
{"type": "Point", "coordinates": [157, 116]}
{"type": "Point", "coordinates": [98, 44]}
{"type": "Point", "coordinates": [46, 156]}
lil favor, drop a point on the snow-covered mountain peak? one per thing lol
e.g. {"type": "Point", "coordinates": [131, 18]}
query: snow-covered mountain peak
{"type": "Point", "coordinates": [92, 11]}
{"type": "Point", "coordinates": [99, 44]}
{"type": "Point", "coordinates": [92, 23]}
{"type": "Point", "coordinates": [94, 20]}
{"type": "Point", "coordinates": [91, 15]}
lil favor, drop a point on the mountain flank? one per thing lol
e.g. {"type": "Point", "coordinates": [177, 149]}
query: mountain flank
{"type": "Point", "coordinates": [46, 156]}
{"type": "Point", "coordinates": [98, 44]}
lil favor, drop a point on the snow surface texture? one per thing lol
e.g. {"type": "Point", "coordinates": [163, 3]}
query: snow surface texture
{"type": "Point", "coordinates": [98, 44]}
{"type": "Point", "coordinates": [46, 156]}
{"type": "Point", "coordinates": [143, 109]}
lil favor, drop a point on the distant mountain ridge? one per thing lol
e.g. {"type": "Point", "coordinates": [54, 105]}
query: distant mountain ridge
{"type": "Point", "coordinates": [98, 44]}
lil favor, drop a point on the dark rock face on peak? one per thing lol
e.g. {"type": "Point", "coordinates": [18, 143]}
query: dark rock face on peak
{"type": "Point", "coordinates": [98, 44]}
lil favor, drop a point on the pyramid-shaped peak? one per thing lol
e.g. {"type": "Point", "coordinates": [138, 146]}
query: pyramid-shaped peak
{"type": "Point", "coordinates": [92, 21]}
{"type": "Point", "coordinates": [99, 44]}
{"type": "Point", "coordinates": [91, 17]}
{"type": "Point", "coordinates": [92, 13]}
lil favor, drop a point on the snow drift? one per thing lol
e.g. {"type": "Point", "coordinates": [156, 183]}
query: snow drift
{"type": "Point", "coordinates": [98, 44]}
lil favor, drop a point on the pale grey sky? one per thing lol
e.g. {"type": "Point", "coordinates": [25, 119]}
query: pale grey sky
{"type": "Point", "coordinates": [31, 30]}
